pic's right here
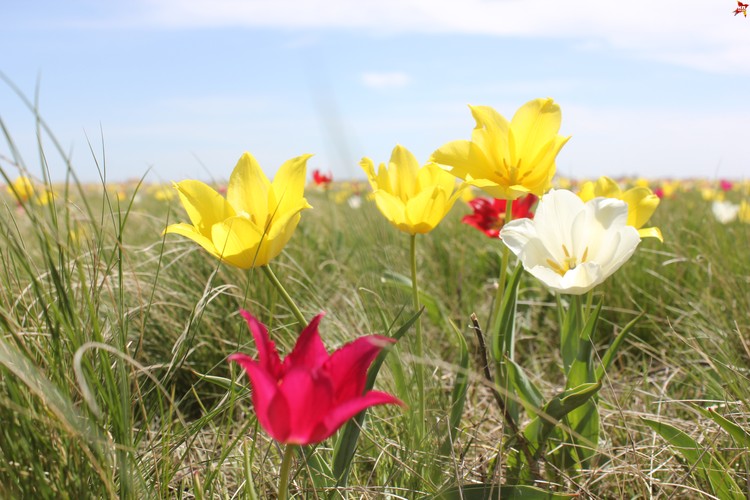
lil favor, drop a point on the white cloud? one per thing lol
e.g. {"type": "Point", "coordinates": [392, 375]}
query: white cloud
{"type": "Point", "coordinates": [385, 80]}
{"type": "Point", "coordinates": [693, 33]}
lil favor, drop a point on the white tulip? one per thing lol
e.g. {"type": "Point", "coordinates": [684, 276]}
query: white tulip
{"type": "Point", "coordinates": [725, 211]}
{"type": "Point", "coordinates": [572, 246]}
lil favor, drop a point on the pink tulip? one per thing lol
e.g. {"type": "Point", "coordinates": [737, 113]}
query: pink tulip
{"type": "Point", "coordinates": [308, 396]}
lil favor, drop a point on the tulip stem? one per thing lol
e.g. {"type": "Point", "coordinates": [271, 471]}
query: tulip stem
{"type": "Point", "coordinates": [287, 298]}
{"type": "Point", "coordinates": [418, 347]}
{"type": "Point", "coordinates": [286, 465]}
{"type": "Point", "coordinates": [495, 316]}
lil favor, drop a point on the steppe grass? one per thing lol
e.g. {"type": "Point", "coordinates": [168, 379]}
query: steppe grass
{"type": "Point", "coordinates": [114, 380]}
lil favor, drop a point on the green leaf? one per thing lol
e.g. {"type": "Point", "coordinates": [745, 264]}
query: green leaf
{"type": "Point", "coordinates": [740, 435]}
{"type": "Point", "coordinates": [346, 444]}
{"type": "Point", "coordinates": [539, 429]}
{"type": "Point", "coordinates": [493, 491]}
{"type": "Point", "coordinates": [530, 396]}
{"type": "Point", "coordinates": [458, 395]}
{"type": "Point", "coordinates": [612, 350]}
{"type": "Point", "coordinates": [432, 305]}
{"type": "Point", "coordinates": [581, 369]}
{"type": "Point", "coordinates": [503, 331]}
{"type": "Point", "coordinates": [700, 459]}
{"type": "Point", "coordinates": [570, 327]}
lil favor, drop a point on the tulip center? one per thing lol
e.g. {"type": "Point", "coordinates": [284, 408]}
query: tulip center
{"type": "Point", "coordinates": [567, 263]}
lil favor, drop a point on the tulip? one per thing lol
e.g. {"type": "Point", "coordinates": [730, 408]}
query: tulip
{"type": "Point", "coordinates": [321, 179]}
{"type": "Point", "coordinates": [642, 203]}
{"type": "Point", "coordinates": [489, 214]}
{"type": "Point", "coordinates": [255, 221]}
{"type": "Point", "coordinates": [306, 397]}
{"type": "Point", "coordinates": [572, 246]}
{"type": "Point", "coordinates": [22, 188]}
{"type": "Point", "coordinates": [744, 212]}
{"type": "Point", "coordinates": [508, 159]}
{"type": "Point", "coordinates": [725, 211]}
{"type": "Point", "coordinates": [413, 199]}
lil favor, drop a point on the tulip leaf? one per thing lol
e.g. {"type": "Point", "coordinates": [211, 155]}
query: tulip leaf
{"type": "Point", "coordinates": [503, 330]}
{"type": "Point", "coordinates": [570, 327]}
{"type": "Point", "coordinates": [458, 395]}
{"type": "Point", "coordinates": [530, 396]}
{"type": "Point", "coordinates": [540, 428]}
{"type": "Point", "coordinates": [581, 369]}
{"type": "Point", "coordinates": [432, 305]}
{"type": "Point", "coordinates": [612, 350]}
{"type": "Point", "coordinates": [740, 435]}
{"type": "Point", "coordinates": [346, 444]}
{"type": "Point", "coordinates": [492, 491]}
{"type": "Point", "coordinates": [699, 459]}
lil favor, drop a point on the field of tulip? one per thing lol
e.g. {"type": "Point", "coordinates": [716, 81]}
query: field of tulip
{"type": "Point", "coordinates": [465, 326]}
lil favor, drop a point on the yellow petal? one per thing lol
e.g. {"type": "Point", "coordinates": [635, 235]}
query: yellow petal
{"type": "Point", "coordinates": [491, 135]}
{"type": "Point", "coordinates": [249, 188]}
{"type": "Point", "coordinates": [369, 167]}
{"type": "Point", "coordinates": [651, 232]}
{"type": "Point", "coordinates": [641, 205]}
{"type": "Point", "coordinates": [426, 210]}
{"type": "Point", "coordinates": [204, 206]}
{"type": "Point", "coordinates": [465, 159]}
{"type": "Point", "coordinates": [238, 242]}
{"type": "Point", "coordinates": [607, 188]}
{"type": "Point", "coordinates": [189, 231]}
{"type": "Point", "coordinates": [587, 191]}
{"type": "Point", "coordinates": [392, 208]}
{"type": "Point", "coordinates": [403, 168]}
{"type": "Point", "coordinates": [534, 125]}
{"type": "Point", "coordinates": [289, 186]}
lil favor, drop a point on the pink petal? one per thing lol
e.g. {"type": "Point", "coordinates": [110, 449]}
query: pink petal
{"type": "Point", "coordinates": [264, 392]}
{"type": "Point", "coordinates": [348, 366]}
{"type": "Point", "coordinates": [309, 401]}
{"type": "Point", "coordinates": [267, 355]}
{"type": "Point", "coordinates": [347, 410]}
{"type": "Point", "coordinates": [309, 350]}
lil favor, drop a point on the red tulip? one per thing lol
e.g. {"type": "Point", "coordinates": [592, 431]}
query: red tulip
{"type": "Point", "coordinates": [308, 396]}
{"type": "Point", "coordinates": [321, 179]}
{"type": "Point", "coordinates": [489, 214]}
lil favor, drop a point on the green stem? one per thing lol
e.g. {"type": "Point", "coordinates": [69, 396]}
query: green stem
{"type": "Point", "coordinates": [418, 348]}
{"type": "Point", "coordinates": [286, 465]}
{"type": "Point", "coordinates": [494, 317]}
{"type": "Point", "coordinates": [287, 298]}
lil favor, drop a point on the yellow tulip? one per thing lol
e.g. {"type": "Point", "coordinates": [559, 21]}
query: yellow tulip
{"type": "Point", "coordinates": [642, 203]}
{"type": "Point", "coordinates": [255, 221]}
{"type": "Point", "coordinates": [508, 159]}
{"type": "Point", "coordinates": [744, 212]}
{"type": "Point", "coordinates": [413, 199]}
{"type": "Point", "coordinates": [22, 188]}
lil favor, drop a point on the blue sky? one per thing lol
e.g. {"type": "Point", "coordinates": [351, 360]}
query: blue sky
{"type": "Point", "coordinates": [184, 87]}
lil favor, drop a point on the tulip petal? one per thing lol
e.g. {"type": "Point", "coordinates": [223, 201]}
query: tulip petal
{"type": "Point", "coordinates": [392, 208]}
{"type": "Point", "coordinates": [343, 412]}
{"type": "Point", "coordinates": [309, 399]}
{"type": "Point", "coordinates": [309, 350]}
{"type": "Point", "coordinates": [189, 231]}
{"type": "Point", "coordinates": [642, 204]}
{"type": "Point", "coordinates": [248, 189]}
{"type": "Point", "coordinates": [426, 210]}
{"type": "Point", "coordinates": [534, 125]}
{"type": "Point", "coordinates": [204, 206]}
{"type": "Point", "coordinates": [239, 242]}
{"type": "Point", "coordinates": [265, 397]}
{"type": "Point", "coordinates": [464, 158]}
{"type": "Point", "coordinates": [651, 232]}
{"type": "Point", "coordinates": [403, 169]}
{"type": "Point", "coordinates": [289, 187]}
{"type": "Point", "coordinates": [347, 366]}
{"type": "Point", "coordinates": [491, 136]}
{"type": "Point", "coordinates": [268, 357]}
